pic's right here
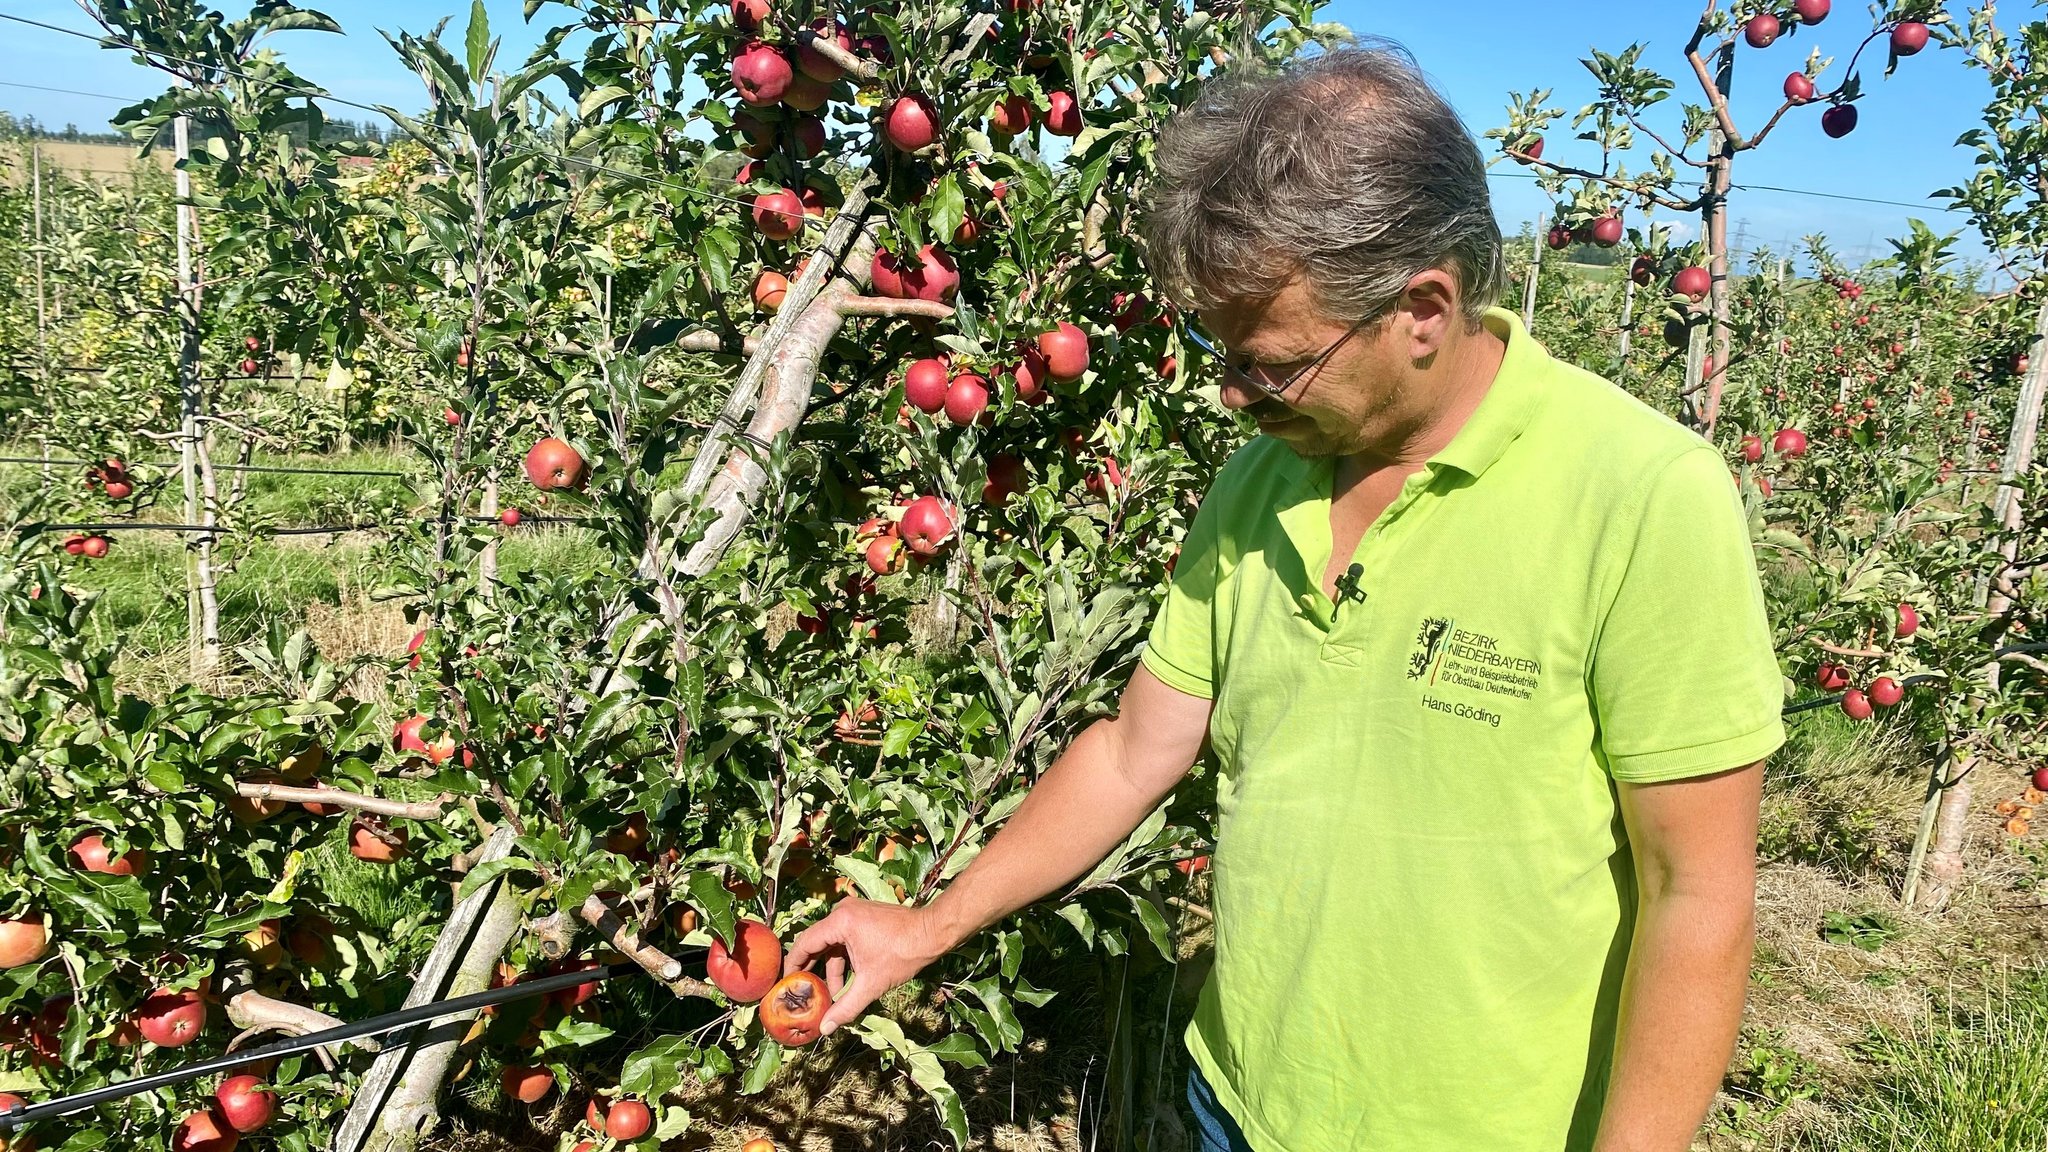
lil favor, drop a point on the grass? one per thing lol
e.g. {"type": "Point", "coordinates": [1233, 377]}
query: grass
{"type": "Point", "coordinates": [1974, 1079]}
{"type": "Point", "coordinates": [298, 579]}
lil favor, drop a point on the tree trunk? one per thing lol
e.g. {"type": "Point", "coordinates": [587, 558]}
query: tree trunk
{"type": "Point", "coordinates": [202, 612]}
{"type": "Point", "coordinates": [785, 392]}
{"type": "Point", "coordinates": [1945, 857]}
{"type": "Point", "coordinates": [1702, 405]}
{"type": "Point", "coordinates": [487, 565]}
{"type": "Point", "coordinates": [397, 1104]}
{"type": "Point", "coordinates": [1529, 286]}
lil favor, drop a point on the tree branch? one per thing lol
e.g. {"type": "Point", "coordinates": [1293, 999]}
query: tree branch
{"type": "Point", "coordinates": [597, 911]}
{"type": "Point", "coordinates": [424, 810]}
{"type": "Point", "coordinates": [882, 306]}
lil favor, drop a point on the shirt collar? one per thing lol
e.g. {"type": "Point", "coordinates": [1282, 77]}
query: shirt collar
{"type": "Point", "coordinates": [1510, 400]}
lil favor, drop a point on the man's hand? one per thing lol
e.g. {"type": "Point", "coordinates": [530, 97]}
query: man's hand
{"type": "Point", "coordinates": [1105, 784]}
{"type": "Point", "coordinates": [885, 944]}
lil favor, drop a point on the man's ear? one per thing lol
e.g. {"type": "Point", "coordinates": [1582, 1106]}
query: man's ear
{"type": "Point", "coordinates": [1430, 304]}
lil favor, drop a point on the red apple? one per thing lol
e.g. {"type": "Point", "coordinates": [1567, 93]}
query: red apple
{"type": "Point", "coordinates": [1532, 148]}
{"type": "Point", "coordinates": [22, 942]}
{"type": "Point", "coordinates": [746, 970]}
{"type": "Point", "coordinates": [1798, 87]}
{"type": "Point", "coordinates": [884, 555]}
{"type": "Point", "coordinates": [932, 275]}
{"type": "Point", "coordinates": [966, 399]}
{"type": "Point", "coordinates": [204, 1132]}
{"type": "Point", "coordinates": [967, 233]}
{"type": "Point", "coordinates": [1608, 231]}
{"type": "Point", "coordinates": [170, 1019]}
{"type": "Point", "coordinates": [912, 124]}
{"type": "Point", "coordinates": [770, 288]}
{"type": "Point", "coordinates": [1693, 282]}
{"type": "Point", "coordinates": [1065, 349]}
{"type": "Point", "coordinates": [118, 489]}
{"type": "Point", "coordinates": [927, 525]}
{"type": "Point", "coordinates": [813, 63]}
{"type": "Point", "coordinates": [1909, 38]}
{"type": "Point", "coordinates": [807, 137]}
{"type": "Point", "coordinates": [1838, 121]}
{"type": "Point", "coordinates": [1063, 114]}
{"type": "Point", "coordinates": [528, 1085]}
{"type": "Point", "coordinates": [1006, 478]}
{"type": "Point", "coordinates": [1030, 374]}
{"type": "Point", "coordinates": [925, 384]}
{"type": "Point", "coordinates": [94, 856]}
{"type": "Point", "coordinates": [1789, 443]}
{"type": "Point", "coordinates": [1886, 692]}
{"type": "Point", "coordinates": [1831, 677]}
{"type": "Point", "coordinates": [1011, 116]}
{"type": "Point", "coordinates": [749, 14]}
{"type": "Point", "coordinates": [552, 463]}
{"type": "Point", "coordinates": [807, 93]}
{"type": "Point", "coordinates": [759, 133]}
{"type": "Point", "coordinates": [94, 547]}
{"type": "Point", "coordinates": [779, 215]}
{"type": "Point", "coordinates": [250, 367]}
{"type": "Point", "coordinates": [1812, 11]}
{"type": "Point", "coordinates": [2041, 779]}
{"type": "Point", "coordinates": [1762, 30]}
{"type": "Point", "coordinates": [628, 1120]}
{"type": "Point", "coordinates": [999, 189]}
{"type": "Point", "coordinates": [1909, 621]}
{"type": "Point", "coordinates": [244, 1104]}
{"type": "Point", "coordinates": [1855, 705]}
{"type": "Point", "coordinates": [1643, 270]}
{"type": "Point", "coordinates": [1752, 448]}
{"type": "Point", "coordinates": [760, 73]}
{"type": "Point", "coordinates": [365, 844]}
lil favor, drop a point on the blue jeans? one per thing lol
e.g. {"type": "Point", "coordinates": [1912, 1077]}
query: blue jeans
{"type": "Point", "coordinates": [1214, 1128]}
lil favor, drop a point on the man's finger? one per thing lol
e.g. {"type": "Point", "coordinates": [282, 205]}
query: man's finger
{"type": "Point", "coordinates": [835, 972]}
{"type": "Point", "coordinates": [813, 940]}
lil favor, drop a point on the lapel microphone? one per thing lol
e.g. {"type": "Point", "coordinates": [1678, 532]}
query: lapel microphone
{"type": "Point", "coordinates": [1347, 585]}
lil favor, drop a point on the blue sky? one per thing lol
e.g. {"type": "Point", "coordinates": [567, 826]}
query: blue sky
{"type": "Point", "coordinates": [1903, 149]}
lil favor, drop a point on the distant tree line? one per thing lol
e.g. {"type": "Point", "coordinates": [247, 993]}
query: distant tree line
{"type": "Point", "coordinates": [14, 127]}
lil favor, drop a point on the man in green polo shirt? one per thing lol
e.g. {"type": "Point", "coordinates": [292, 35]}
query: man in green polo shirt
{"type": "Point", "coordinates": [1478, 645]}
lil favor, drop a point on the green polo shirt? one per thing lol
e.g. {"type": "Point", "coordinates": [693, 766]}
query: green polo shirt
{"type": "Point", "coordinates": [1423, 889]}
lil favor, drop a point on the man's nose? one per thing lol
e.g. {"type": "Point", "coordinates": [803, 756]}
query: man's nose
{"type": "Point", "coordinates": [1237, 393]}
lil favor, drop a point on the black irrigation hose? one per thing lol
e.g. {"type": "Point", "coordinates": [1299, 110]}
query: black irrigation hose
{"type": "Point", "coordinates": [278, 468]}
{"type": "Point", "coordinates": [1908, 682]}
{"type": "Point", "coordinates": [374, 1026]}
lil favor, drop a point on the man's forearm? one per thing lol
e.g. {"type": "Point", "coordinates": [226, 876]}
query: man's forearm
{"type": "Point", "coordinates": [1681, 1008]}
{"type": "Point", "coordinates": [1082, 807]}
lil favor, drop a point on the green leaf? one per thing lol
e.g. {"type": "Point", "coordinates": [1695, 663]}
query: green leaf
{"type": "Point", "coordinates": [598, 98]}
{"type": "Point", "coordinates": [490, 870]}
{"type": "Point", "coordinates": [1155, 924]}
{"type": "Point", "coordinates": [479, 38]}
{"type": "Point", "coordinates": [883, 1034]}
{"type": "Point", "coordinates": [896, 741]}
{"type": "Point", "coordinates": [766, 1061]}
{"type": "Point", "coordinates": [709, 896]}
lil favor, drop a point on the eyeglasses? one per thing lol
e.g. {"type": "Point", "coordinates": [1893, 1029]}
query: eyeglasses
{"type": "Point", "coordinates": [1257, 383]}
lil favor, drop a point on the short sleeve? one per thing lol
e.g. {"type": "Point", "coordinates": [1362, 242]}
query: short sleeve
{"type": "Point", "coordinates": [1684, 678]}
{"type": "Point", "coordinates": [1181, 648]}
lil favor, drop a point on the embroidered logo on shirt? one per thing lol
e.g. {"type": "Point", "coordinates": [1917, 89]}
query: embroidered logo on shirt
{"type": "Point", "coordinates": [1449, 656]}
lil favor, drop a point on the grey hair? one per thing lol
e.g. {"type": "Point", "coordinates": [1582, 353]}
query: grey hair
{"type": "Point", "coordinates": [1347, 168]}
